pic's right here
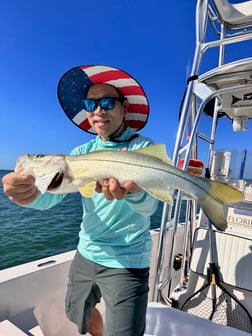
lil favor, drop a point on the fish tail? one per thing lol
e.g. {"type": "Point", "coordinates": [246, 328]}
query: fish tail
{"type": "Point", "coordinates": [218, 195]}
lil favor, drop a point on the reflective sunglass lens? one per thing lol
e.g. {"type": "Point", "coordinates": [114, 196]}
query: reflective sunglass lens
{"type": "Point", "coordinates": [90, 105]}
{"type": "Point", "coordinates": [107, 103]}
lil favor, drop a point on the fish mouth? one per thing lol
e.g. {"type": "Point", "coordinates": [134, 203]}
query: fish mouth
{"type": "Point", "coordinates": [56, 181]}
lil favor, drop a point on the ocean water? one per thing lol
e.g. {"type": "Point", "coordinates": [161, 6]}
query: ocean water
{"type": "Point", "coordinates": [27, 234]}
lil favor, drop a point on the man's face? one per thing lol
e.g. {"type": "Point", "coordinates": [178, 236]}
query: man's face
{"type": "Point", "coordinates": [106, 122]}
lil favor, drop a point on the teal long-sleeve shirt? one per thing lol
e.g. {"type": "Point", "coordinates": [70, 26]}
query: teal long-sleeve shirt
{"type": "Point", "coordinates": [112, 233]}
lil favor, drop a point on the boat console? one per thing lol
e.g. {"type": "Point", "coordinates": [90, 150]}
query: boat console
{"type": "Point", "coordinates": [215, 272]}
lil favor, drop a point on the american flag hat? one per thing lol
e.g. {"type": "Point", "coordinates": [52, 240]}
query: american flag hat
{"type": "Point", "coordinates": [74, 84]}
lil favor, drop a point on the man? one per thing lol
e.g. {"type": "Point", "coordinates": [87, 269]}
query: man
{"type": "Point", "coordinates": [113, 253]}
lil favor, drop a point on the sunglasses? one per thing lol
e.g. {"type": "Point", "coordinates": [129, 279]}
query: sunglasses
{"type": "Point", "coordinates": [106, 103]}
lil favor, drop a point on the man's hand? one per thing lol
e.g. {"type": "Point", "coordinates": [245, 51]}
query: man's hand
{"type": "Point", "coordinates": [112, 189]}
{"type": "Point", "coordinates": [20, 188]}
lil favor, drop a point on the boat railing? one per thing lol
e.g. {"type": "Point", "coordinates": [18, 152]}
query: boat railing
{"type": "Point", "coordinates": [207, 93]}
{"type": "Point", "coordinates": [179, 195]}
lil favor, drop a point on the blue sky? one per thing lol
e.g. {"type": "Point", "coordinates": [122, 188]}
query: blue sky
{"type": "Point", "coordinates": [153, 40]}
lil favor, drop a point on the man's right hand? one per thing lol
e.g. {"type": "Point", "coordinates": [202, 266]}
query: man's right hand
{"type": "Point", "coordinates": [20, 188]}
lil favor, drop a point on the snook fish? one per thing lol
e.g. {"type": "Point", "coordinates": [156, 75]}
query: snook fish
{"type": "Point", "coordinates": [149, 167]}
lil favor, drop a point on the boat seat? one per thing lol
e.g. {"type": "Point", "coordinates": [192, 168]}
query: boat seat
{"type": "Point", "coordinates": [236, 102]}
{"type": "Point", "coordinates": [229, 74]}
{"type": "Point", "coordinates": [162, 321]}
{"type": "Point", "coordinates": [234, 16]}
{"type": "Point", "coordinates": [232, 257]}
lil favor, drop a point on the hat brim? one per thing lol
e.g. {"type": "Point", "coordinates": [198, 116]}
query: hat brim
{"type": "Point", "coordinates": [75, 83]}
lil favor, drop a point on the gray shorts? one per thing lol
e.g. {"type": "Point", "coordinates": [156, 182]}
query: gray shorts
{"type": "Point", "coordinates": [125, 292]}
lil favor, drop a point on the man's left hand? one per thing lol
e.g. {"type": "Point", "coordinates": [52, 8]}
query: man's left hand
{"type": "Point", "coordinates": [112, 189]}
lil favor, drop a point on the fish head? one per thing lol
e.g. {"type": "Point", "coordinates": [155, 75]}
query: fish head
{"type": "Point", "coordinates": [49, 171]}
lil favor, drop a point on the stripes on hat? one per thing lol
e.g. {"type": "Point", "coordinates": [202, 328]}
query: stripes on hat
{"type": "Point", "coordinates": [89, 75]}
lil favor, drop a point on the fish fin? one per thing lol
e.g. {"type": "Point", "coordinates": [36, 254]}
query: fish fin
{"type": "Point", "coordinates": [162, 195]}
{"type": "Point", "coordinates": [214, 210]}
{"type": "Point", "coordinates": [219, 193]}
{"type": "Point", "coordinates": [225, 192]}
{"type": "Point", "coordinates": [87, 190]}
{"type": "Point", "coordinates": [157, 151]}
{"type": "Point", "coordinates": [76, 174]}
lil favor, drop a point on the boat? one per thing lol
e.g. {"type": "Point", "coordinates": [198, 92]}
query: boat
{"type": "Point", "coordinates": [200, 277]}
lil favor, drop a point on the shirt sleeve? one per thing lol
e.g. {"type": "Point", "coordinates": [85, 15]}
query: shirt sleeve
{"type": "Point", "coordinates": [45, 201]}
{"type": "Point", "coordinates": [142, 203]}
